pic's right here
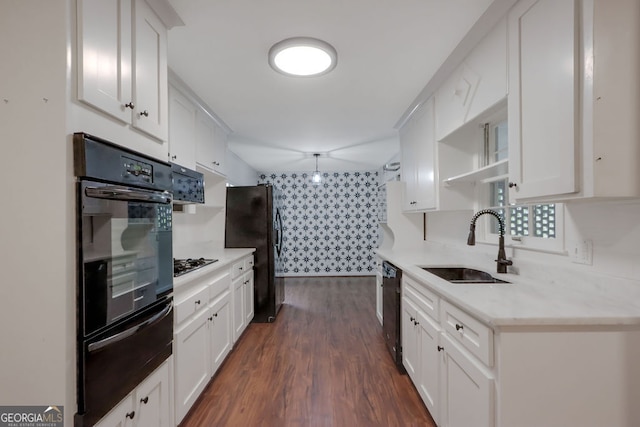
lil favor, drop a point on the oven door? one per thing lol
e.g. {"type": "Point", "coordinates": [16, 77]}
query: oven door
{"type": "Point", "coordinates": [116, 360]}
{"type": "Point", "coordinates": [125, 254]}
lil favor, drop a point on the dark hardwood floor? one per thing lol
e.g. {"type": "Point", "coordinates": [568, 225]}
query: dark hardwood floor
{"type": "Point", "coordinates": [323, 362]}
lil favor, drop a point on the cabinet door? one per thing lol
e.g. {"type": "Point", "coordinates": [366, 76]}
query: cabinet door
{"type": "Point", "coordinates": [122, 415]}
{"type": "Point", "coordinates": [238, 307]}
{"type": "Point", "coordinates": [191, 349]}
{"type": "Point", "coordinates": [219, 150]}
{"type": "Point", "coordinates": [379, 295]}
{"type": "Point", "coordinates": [150, 72]}
{"type": "Point", "coordinates": [410, 344]}
{"type": "Point", "coordinates": [182, 129]}
{"type": "Point", "coordinates": [104, 56]}
{"type": "Point", "coordinates": [425, 153]}
{"type": "Point", "coordinates": [543, 93]}
{"type": "Point", "coordinates": [205, 135]}
{"type": "Point", "coordinates": [408, 172]}
{"type": "Point", "coordinates": [429, 374]}
{"type": "Point", "coordinates": [152, 400]}
{"type": "Point", "coordinates": [248, 297]}
{"type": "Point", "coordinates": [417, 144]}
{"type": "Point", "coordinates": [221, 330]}
{"type": "Point", "coordinates": [467, 390]}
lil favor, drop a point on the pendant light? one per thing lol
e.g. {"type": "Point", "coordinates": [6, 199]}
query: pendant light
{"type": "Point", "coordinates": [316, 178]}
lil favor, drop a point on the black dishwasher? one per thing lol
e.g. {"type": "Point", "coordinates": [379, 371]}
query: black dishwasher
{"type": "Point", "coordinates": [391, 279]}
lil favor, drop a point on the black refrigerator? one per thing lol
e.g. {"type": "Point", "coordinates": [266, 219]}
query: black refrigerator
{"type": "Point", "coordinates": [254, 220]}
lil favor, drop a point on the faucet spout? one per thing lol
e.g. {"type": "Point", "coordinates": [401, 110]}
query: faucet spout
{"type": "Point", "coordinates": [502, 261]}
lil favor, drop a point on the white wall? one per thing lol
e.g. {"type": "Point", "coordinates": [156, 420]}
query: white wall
{"type": "Point", "coordinates": [37, 297]}
{"type": "Point", "coordinates": [239, 172]}
{"type": "Point", "coordinates": [612, 226]}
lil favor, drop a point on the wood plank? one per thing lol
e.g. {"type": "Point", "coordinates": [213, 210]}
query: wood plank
{"type": "Point", "coordinates": [323, 362]}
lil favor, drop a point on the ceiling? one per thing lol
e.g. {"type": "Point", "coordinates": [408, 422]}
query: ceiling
{"type": "Point", "coordinates": [388, 50]}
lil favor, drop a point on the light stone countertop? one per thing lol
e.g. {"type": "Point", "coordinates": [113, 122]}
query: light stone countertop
{"type": "Point", "coordinates": [563, 299]}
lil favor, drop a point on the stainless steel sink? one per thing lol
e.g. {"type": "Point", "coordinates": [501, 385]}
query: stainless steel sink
{"type": "Point", "coordinates": [463, 275]}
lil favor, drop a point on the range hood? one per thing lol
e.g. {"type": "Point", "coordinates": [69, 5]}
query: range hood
{"type": "Point", "coordinates": [188, 185]}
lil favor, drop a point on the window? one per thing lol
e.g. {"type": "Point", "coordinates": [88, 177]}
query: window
{"type": "Point", "coordinates": [535, 226]}
{"type": "Point", "coordinates": [498, 141]}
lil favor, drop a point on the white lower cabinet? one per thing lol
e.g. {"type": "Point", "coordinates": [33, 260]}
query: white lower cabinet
{"type": "Point", "coordinates": [243, 295]}
{"type": "Point", "coordinates": [379, 290]}
{"type": "Point", "coordinates": [146, 406]}
{"type": "Point", "coordinates": [239, 295]}
{"type": "Point", "coordinates": [454, 385]}
{"type": "Point", "coordinates": [202, 335]}
{"type": "Point", "coordinates": [207, 310]}
{"type": "Point", "coordinates": [467, 389]}
{"type": "Point", "coordinates": [220, 333]}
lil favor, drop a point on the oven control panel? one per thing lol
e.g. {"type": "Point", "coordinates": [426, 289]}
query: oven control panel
{"type": "Point", "coordinates": [136, 170]}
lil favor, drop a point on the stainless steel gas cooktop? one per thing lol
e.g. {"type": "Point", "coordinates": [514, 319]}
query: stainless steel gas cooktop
{"type": "Point", "coordinates": [183, 266]}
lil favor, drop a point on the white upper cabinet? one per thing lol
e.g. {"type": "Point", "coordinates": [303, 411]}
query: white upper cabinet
{"type": "Point", "coordinates": [611, 123]}
{"type": "Point", "coordinates": [182, 129]}
{"type": "Point", "coordinates": [211, 144]}
{"type": "Point", "coordinates": [417, 145]}
{"type": "Point", "coordinates": [574, 99]}
{"type": "Point", "coordinates": [476, 85]}
{"type": "Point", "coordinates": [544, 70]}
{"type": "Point", "coordinates": [150, 113]}
{"type": "Point", "coordinates": [122, 62]}
{"type": "Point", "coordinates": [104, 56]}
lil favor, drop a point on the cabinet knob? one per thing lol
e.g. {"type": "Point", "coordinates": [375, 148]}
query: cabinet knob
{"type": "Point", "coordinates": [131, 414]}
{"type": "Point", "coordinates": [129, 105]}
{"type": "Point", "coordinates": [215, 315]}
{"type": "Point", "coordinates": [415, 322]}
{"type": "Point", "coordinates": [513, 185]}
{"type": "Point", "coordinates": [210, 319]}
{"type": "Point", "coordinates": [458, 327]}
{"type": "Point", "coordinates": [174, 157]}
{"type": "Point", "coordinates": [440, 348]}
{"type": "Point", "coordinates": [412, 318]}
{"type": "Point", "coordinates": [145, 400]}
{"type": "Point", "coordinates": [198, 302]}
{"type": "Point", "coordinates": [144, 113]}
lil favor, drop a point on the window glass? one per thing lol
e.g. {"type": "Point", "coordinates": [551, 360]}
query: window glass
{"type": "Point", "coordinates": [500, 141]}
{"type": "Point", "coordinates": [521, 220]}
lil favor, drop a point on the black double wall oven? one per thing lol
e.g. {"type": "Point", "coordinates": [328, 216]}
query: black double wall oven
{"type": "Point", "coordinates": [125, 272]}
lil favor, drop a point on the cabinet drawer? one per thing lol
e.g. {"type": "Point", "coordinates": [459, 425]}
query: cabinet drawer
{"type": "Point", "coordinates": [237, 269]}
{"type": "Point", "coordinates": [248, 264]}
{"type": "Point", "coordinates": [426, 300]}
{"type": "Point", "coordinates": [219, 285]}
{"type": "Point", "coordinates": [473, 335]}
{"type": "Point", "coordinates": [193, 302]}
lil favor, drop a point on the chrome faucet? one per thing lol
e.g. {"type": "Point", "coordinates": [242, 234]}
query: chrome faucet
{"type": "Point", "coordinates": [502, 260]}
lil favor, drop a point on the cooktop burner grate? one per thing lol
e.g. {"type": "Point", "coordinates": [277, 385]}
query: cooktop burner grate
{"type": "Point", "coordinates": [183, 266]}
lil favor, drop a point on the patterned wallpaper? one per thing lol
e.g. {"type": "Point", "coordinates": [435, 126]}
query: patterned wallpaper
{"type": "Point", "coordinates": [330, 229]}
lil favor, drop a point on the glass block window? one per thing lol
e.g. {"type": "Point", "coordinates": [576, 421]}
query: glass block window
{"type": "Point", "coordinates": [521, 220]}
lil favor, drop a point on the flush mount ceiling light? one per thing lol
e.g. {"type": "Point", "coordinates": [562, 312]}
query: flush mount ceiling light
{"type": "Point", "coordinates": [302, 57]}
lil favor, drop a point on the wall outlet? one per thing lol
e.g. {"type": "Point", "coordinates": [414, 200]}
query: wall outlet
{"type": "Point", "coordinates": [582, 252]}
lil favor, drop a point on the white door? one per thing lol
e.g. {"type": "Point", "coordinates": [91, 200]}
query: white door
{"type": "Point", "coordinates": [191, 357]}
{"type": "Point", "coordinates": [467, 391]}
{"type": "Point", "coordinates": [221, 331]}
{"type": "Point", "coordinates": [150, 81]}
{"type": "Point", "coordinates": [152, 400]}
{"type": "Point", "coordinates": [104, 56]}
{"type": "Point", "coordinates": [543, 93]}
{"type": "Point", "coordinates": [182, 129]}
{"type": "Point", "coordinates": [430, 353]}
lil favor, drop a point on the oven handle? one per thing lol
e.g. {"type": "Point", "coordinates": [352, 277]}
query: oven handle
{"type": "Point", "coordinates": [127, 333]}
{"type": "Point", "coordinates": [126, 193]}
